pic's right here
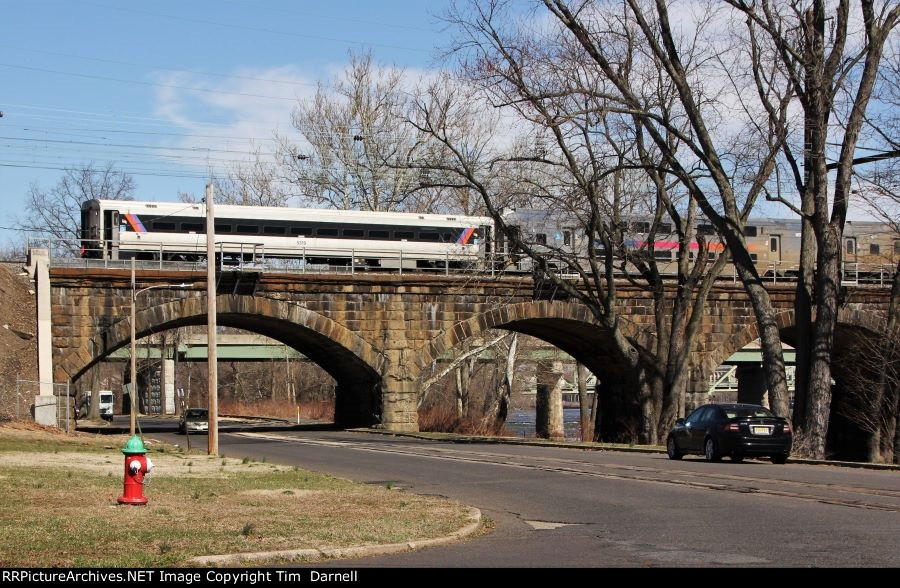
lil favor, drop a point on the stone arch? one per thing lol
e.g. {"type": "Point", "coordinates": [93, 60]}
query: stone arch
{"type": "Point", "coordinates": [353, 363]}
{"type": "Point", "coordinates": [569, 326]}
{"type": "Point", "coordinates": [870, 321]}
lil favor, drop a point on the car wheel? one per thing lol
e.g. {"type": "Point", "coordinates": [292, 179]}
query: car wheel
{"type": "Point", "coordinates": [737, 458]}
{"type": "Point", "coordinates": [672, 449]}
{"type": "Point", "coordinates": [779, 458]}
{"type": "Point", "coordinates": [711, 452]}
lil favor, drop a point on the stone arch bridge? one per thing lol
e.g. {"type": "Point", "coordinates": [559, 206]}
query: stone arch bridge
{"type": "Point", "coordinates": [377, 334]}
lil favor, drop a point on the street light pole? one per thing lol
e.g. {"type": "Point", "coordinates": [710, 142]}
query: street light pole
{"type": "Point", "coordinates": [133, 393]}
{"type": "Point", "coordinates": [211, 356]}
{"type": "Point", "coordinates": [134, 295]}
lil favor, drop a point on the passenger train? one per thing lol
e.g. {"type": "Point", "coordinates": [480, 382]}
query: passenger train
{"type": "Point", "coordinates": [118, 229]}
{"type": "Point", "coordinates": [121, 229]}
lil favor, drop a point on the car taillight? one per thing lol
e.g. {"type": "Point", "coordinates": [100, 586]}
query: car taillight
{"type": "Point", "coordinates": [731, 428]}
{"type": "Point", "coordinates": [786, 428]}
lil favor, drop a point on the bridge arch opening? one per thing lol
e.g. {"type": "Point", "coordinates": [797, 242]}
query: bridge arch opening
{"type": "Point", "coordinates": [350, 361]}
{"type": "Point", "coordinates": [553, 337]}
{"type": "Point", "coordinates": [861, 362]}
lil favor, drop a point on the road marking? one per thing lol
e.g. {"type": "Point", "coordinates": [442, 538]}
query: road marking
{"type": "Point", "coordinates": [625, 473]}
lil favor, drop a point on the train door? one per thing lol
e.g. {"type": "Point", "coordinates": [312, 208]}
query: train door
{"type": "Point", "coordinates": [775, 248]}
{"type": "Point", "coordinates": [111, 233]}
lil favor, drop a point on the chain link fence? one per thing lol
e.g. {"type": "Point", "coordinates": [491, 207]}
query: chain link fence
{"type": "Point", "coordinates": [24, 401]}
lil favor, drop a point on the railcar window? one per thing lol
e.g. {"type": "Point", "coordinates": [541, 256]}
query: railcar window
{"type": "Point", "coordinates": [541, 238]}
{"type": "Point", "coordinates": [304, 231]}
{"type": "Point", "coordinates": [851, 246]}
{"type": "Point", "coordinates": [640, 227]}
{"type": "Point", "coordinates": [274, 230]}
{"type": "Point", "coordinates": [403, 235]}
{"type": "Point", "coordinates": [326, 232]}
{"type": "Point", "coordinates": [447, 237]}
{"type": "Point", "coordinates": [662, 255]}
{"type": "Point", "coordinates": [773, 244]}
{"type": "Point", "coordinates": [223, 228]}
{"type": "Point", "coordinates": [896, 247]}
{"type": "Point", "coordinates": [665, 228]}
{"type": "Point", "coordinates": [754, 257]}
{"type": "Point", "coordinates": [378, 234]}
{"type": "Point", "coordinates": [704, 229]}
{"type": "Point", "coordinates": [247, 229]}
{"type": "Point", "coordinates": [429, 237]}
{"type": "Point", "coordinates": [163, 226]}
{"type": "Point", "coordinates": [567, 236]}
{"type": "Point", "coordinates": [711, 255]}
{"type": "Point", "coordinates": [749, 231]}
{"type": "Point", "coordinates": [874, 249]}
{"type": "Point", "coordinates": [354, 233]}
{"type": "Point", "coordinates": [191, 227]}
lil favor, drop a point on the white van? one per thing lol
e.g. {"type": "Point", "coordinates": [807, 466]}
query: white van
{"type": "Point", "coordinates": [106, 404]}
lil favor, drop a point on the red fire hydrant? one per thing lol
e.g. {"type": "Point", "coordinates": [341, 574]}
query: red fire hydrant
{"type": "Point", "coordinates": [137, 465]}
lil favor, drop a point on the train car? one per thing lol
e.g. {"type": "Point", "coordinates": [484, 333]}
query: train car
{"type": "Point", "coordinates": [120, 229]}
{"type": "Point", "coordinates": [871, 250]}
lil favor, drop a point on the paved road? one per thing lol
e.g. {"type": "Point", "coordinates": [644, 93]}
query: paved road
{"type": "Point", "coordinates": [568, 507]}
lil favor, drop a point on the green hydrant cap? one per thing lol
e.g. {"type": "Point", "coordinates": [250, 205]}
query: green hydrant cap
{"type": "Point", "coordinates": [134, 445]}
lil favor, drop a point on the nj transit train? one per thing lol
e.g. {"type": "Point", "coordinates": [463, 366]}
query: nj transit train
{"type": "Point", "coordinates": [119, 229]}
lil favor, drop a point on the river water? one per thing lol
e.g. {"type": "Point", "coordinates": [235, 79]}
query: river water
{"type": "Point", "coordinates": [520, 423]}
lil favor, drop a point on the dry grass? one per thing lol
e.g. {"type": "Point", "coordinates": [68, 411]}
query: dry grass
{"type": "Point", "coordinates": [316, 411]}
{"type": "Point", "coordinates": [58, 507]}
{"type": "Point", "coordinates": [443, 419]}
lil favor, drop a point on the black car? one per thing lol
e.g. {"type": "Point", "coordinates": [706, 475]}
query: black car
{"type": "Point", "coordinates": [736, 430]}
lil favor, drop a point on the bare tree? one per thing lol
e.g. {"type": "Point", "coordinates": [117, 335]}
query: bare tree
{"type": "Point", "coordinates": [353, 143]}
{"type": "Point", "coordinates": [879, 187]}
{"type": "Point", "coordinates": [256, 182]}
{"type": "Point", "coordinates": [591, 170]}
{"type": "Point", "coordinates": [55, 214]}
{"type": "Point", "coordinates": [831, 69]}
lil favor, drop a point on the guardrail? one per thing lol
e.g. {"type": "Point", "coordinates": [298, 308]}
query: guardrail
{"type": "Point", "coordinates": [240, 256]}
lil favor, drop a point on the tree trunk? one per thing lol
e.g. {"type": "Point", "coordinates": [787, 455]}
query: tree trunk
{"type": "Point", "coordinates": [818, 407]}
{"type": "Point", "coordinates": [803, 317]}
{"type": "Point", "coordinates": [94, 410]}
{"type": "Point", "coordinates": [595, 413]}
{"type": "Point", "coordinates": [581, 376]}
{"type": "Point", "coordinates": [495, 414]}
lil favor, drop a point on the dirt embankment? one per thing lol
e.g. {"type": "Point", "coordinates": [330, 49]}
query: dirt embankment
{"type": "Point", "coordinates": [18, 341]}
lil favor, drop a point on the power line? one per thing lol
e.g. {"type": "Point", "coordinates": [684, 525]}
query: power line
{"type": "Point", "coordinates": [128, 146]}
{"type": "Point", "coordinates": [305, 14]}
{"type": "Point", "coordinates": [154, 133]}
{"type": "Point", "coordinates": [117, 115]}
{"type": "Point", "coordinates": [132, 172]}
{"type": "Point", "coordinates": [159, 67]}
{"type": "Point", "coordinates": [141, 83]}
{"type": "Point", "coordinates": [254, 29]}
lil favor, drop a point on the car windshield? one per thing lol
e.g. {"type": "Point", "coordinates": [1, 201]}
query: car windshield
{"type": "Point", "coordinates": [106, 398]}
{"type": "Point", "coordinates": [746, 411]}
{"type": "Point", "coordinates": [196, 414]}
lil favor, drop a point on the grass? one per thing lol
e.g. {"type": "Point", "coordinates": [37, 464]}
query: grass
{"type": "Point", "coordinates": [50, 519]}
{"type": "Point", "coordinates": [316, 411]}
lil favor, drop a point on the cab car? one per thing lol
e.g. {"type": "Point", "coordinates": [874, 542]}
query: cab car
{"type": "Point", "coordinates": [735, 430]}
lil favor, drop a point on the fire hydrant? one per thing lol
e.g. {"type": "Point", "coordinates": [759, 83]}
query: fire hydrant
{"type": "Point", "coordinates": [137, 465]}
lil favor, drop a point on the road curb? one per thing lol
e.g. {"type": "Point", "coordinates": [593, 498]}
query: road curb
{"type": "Point", "coordinates": [342, 552]}
{"type": "Point", "coordinates": [450, 438]}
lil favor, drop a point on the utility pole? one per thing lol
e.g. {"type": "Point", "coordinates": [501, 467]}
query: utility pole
{"type": "Point", "coordinates": [212, 364]}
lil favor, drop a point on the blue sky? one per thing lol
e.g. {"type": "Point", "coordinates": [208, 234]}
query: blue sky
{"type": "Point", "coordinates": [100, 81]}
